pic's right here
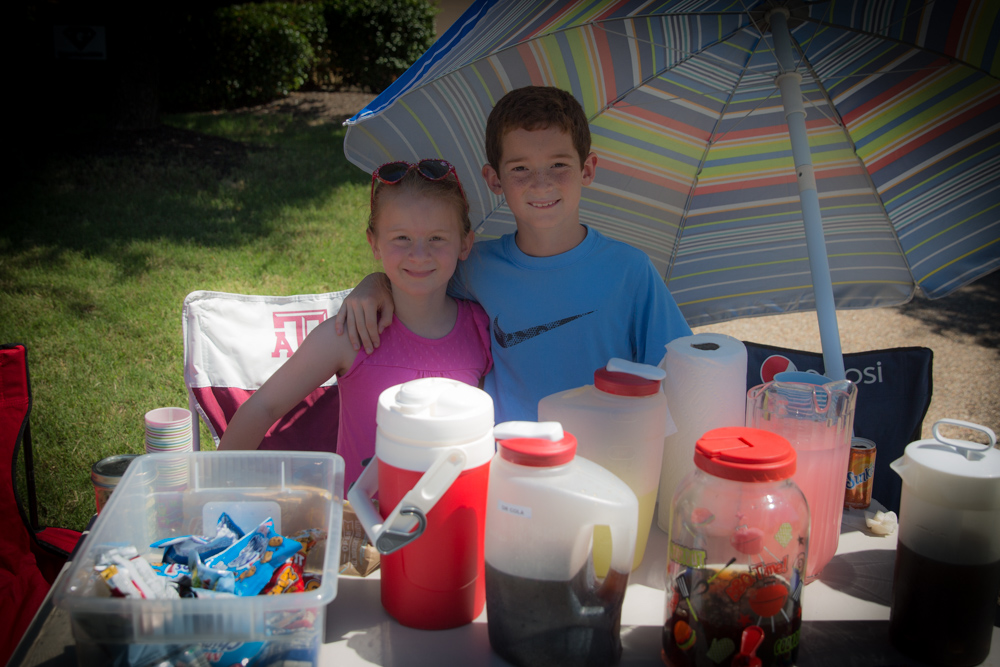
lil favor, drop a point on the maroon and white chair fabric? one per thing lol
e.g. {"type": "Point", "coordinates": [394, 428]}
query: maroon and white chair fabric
{"type": "Point", "coordinates": [234, 342]}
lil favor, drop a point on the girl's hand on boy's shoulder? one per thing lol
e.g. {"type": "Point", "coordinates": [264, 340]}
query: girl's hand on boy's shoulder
{"type": "Point", "coordinates": [366, 312]}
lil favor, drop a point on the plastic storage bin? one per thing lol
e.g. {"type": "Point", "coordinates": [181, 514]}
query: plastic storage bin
{"type": "Point", "coordinates": [298, 489]}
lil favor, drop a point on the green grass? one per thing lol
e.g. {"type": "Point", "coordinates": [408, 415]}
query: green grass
{"type": "Point", "coordinates": [97, 255]}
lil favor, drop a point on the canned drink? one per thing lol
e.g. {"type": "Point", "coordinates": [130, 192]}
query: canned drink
{"type": "Point", "coordinates": [105, 474]}
{"type": "Point", "coordinates": [860, 474]}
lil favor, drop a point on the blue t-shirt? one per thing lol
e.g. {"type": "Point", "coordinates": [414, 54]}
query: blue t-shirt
{"type": "Point", "coordinates": [555, 320]}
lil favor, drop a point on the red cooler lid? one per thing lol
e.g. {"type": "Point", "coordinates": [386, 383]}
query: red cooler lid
{"type": "Point", "coordinates": [539, 445]}
{"type": "Point", "coordinates": [745, 454]}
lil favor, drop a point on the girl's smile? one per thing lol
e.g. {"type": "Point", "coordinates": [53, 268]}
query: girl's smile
{"type": "Point", "coordinates": [419, 241]}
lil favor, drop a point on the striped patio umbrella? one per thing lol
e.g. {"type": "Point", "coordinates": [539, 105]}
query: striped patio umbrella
{"type": "Point", "coordinates": [769, 157]}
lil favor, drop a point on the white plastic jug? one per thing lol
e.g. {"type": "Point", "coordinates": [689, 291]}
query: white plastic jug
{"type": "Point", "coordinates": [619, 423]}
{"type": "Point", "coordinates": [433, 450]}
{"type": "Point", "coordinates": [947, 573]}
{"type": "Point", "coordinates": [544, 605]}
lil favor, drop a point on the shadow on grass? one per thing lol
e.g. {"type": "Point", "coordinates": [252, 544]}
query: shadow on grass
{"type": "Point", "coordinates": [223, 186]}
{"type": "Point", "coordinates": [971, 310]}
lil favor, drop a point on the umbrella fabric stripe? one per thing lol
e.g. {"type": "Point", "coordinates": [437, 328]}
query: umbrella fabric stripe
{"type": "Point", "coordinates": [981, 177]}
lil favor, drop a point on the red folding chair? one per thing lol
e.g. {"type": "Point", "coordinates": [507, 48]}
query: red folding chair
{"type": "Point", "coordinates": [31, 556]}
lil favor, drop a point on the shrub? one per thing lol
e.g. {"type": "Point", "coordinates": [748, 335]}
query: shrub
{"type": "Point", "coordinates": [243, 54]}
{"type": "Point", "coordinates": [266, 51]}
{"type": "Point", "coordinates": [372, 42]}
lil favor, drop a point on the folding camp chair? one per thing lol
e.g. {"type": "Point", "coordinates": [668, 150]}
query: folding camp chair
{"type": "Point", "coordinates": [894, 393]}
{"type": "Point", "coordinates": [31, 556]}
{"type": "Point", "coordinates": [234, 342]}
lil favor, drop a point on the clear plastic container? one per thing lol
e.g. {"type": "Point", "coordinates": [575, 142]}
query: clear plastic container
{"type": "Point", "coordinates": [299, 490]}
{"type": "Point", "coordinates": [544, 605]}
{"type": "Point", "coordinates": [619, 423]}
{"type": "Point", "coordinates": [739, 531]}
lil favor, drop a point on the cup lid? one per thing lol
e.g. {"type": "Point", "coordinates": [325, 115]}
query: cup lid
{"type": "Point", "coordinates": [745, 454]}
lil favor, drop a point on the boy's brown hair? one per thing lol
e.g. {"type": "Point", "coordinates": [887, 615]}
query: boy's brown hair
{"type": "Point", "coordinates": [536, 108]}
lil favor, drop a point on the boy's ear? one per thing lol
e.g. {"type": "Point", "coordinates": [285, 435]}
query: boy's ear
{"type": "Point", "coordinates": [371, 242]}
{"type": "Point", "coordinates": [589, 168]}
{"type": "Point", "coordinates": [492, 179]}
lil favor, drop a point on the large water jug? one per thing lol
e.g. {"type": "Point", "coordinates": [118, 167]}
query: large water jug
{"type": "Point", "coordinates": [816, 415]}
{"type": "Point", "coordinates": [947, 574]}
{"type": "Point", "coordinates": [432, 457]}
{"type": "Point", "coordinates": [544, 605]}
{"type": "Point", "coordinates": [619, 423]}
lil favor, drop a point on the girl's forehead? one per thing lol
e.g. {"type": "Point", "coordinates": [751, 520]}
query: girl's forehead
{"type": "Point", "coordinates": [417, 212]}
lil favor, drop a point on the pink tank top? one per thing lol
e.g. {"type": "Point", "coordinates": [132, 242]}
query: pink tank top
{"type": "Point", "coordinates": [463, 354]}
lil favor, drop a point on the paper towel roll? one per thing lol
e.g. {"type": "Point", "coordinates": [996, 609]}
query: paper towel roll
{"type": "Point", "coordinates": [705, 388]}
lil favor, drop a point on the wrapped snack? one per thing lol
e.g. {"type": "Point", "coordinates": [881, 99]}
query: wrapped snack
{"type": "Point", "coordinates": [357, 554]}
{"type": "Point", "coordinates": [311, 581]}
{"type": "Point", "coordinates": [255, 557]}
{"type": "Point", "coordinates": [289, 577]}
{"type": "Point", "coordinates": [291, 622]}
{"type": "Point", "coordinates": [179, 549]}
{"type": "Point", "coordinates": [233, 653]}
{"type": "Point", "coordinates": [129, 575]}
{"type": "Point", "coordinates": [206, 576]}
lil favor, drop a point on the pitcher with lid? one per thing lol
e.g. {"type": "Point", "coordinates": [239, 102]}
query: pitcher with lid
{"type": "Point", "coordinates": [433, 449]}
{"type": "Point", "coordinates": [544, 604]}
{"type": "Point", "coordinates": [816, 415]}
{"type": "Point", "coordinates": [619, 423]}
{"type": "Point", "coordinates": [947, 573]}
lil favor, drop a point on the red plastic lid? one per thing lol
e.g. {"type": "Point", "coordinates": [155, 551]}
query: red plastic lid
{"type": "Point", "coordinates": [745, 454]}
{"type": "Point", "coordinates": [539, 452]}
{"type": "Point", "coordinates": [624, 384]}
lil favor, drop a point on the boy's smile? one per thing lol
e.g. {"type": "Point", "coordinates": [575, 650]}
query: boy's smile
{"type": "Point", "coordinates": [542, 178]}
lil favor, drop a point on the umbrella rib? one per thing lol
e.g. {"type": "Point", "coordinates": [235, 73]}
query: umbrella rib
{"type": "Point", "coordinates": [701, 164]}
{"type": "Point", "coordinates": [835, 117]}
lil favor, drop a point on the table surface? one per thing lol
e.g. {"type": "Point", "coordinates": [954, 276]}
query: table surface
{"type": "Point", "coordinates": [845, 618]}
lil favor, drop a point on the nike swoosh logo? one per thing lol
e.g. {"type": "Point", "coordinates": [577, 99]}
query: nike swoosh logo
{"type": "Point", "coordinates": [506, 340]}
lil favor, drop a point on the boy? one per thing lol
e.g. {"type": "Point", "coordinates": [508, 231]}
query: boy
{"type": "Point", "coordinates": [562, 298]}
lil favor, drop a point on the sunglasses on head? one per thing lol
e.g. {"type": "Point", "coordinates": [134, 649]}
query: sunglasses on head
{"type": "Point", "coordinates": [391, 173]}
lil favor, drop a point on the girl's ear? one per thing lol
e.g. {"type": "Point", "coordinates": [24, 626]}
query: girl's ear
{"type": "Point", "coordinates": [492, 179]}
{"type": "Point", "coordinates": [372, 242]}
{"type": "Point", "coordinates": [467, 242]}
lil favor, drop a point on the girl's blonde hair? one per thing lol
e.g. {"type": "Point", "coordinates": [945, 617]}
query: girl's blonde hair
{"type": "Point", "coordinates": [447, 189]}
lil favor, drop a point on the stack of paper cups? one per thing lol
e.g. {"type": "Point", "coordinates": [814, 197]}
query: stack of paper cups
{"type": "Point", "coordinates": [706, 388]}
{"type": "Point", "coordinates": [168, 431]}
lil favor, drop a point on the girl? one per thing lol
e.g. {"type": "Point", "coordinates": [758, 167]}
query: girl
{"type": "Point", "coordinates": [418, 228]}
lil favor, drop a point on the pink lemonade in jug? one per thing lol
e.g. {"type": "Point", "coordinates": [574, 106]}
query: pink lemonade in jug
{"type": "Point", "coordinates": [817, 417]}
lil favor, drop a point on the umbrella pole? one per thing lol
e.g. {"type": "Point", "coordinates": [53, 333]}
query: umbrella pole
{"type": "Point", "coordinates": [789, 82]}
